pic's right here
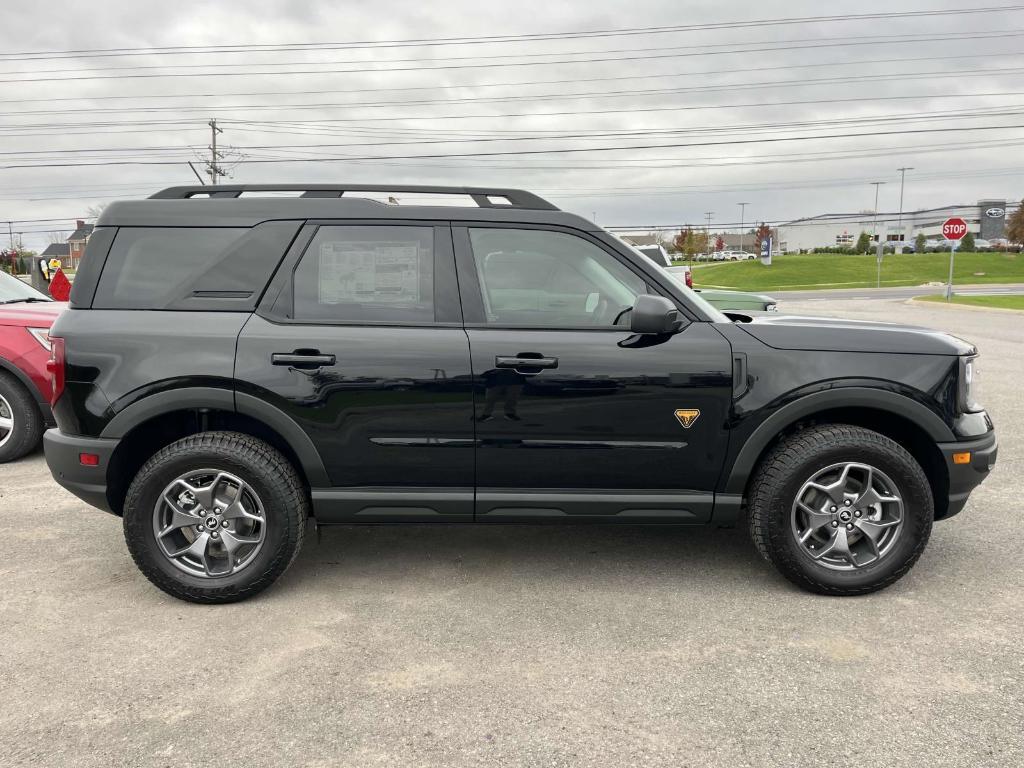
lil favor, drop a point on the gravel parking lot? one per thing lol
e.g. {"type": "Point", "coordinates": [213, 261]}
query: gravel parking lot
{"type": "Point", "coordinates": [522, 646]}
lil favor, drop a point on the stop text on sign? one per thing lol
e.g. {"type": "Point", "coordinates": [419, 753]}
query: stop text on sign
{"type": "Point", "coordinates": [954, 228]}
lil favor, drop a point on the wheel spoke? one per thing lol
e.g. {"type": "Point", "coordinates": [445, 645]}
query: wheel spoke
{"type": "Point", "coordinates": [839, 546]}
{"type": "Point", "coordinates": [197, 549]}
{"type": "Point", "coordinates": [874, 530]}
{"type": "Point", "coordinates": [6, 423]}
{"type": "Point", "coordinates": [235, 509]}
{"type": "Point", "coordinates": [232, 541]}
{"type": "Point", "coordinates": [180, 517]}
{"type": "Point", "coordinates": [206, 495]}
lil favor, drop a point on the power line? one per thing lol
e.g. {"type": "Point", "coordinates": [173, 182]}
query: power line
{"type": "Point", "coordinates": [567, 150]}
{"type": "Point", "coordinates": [422, 68]}
{"type": "Point", "coordinates": [105, 126]}
{"type": "Point", "coordinates": [534, 36]}
{"type": "Point", "coordinates": [475, 86]}
{"type": "Point", "coordinates": [757, 127]}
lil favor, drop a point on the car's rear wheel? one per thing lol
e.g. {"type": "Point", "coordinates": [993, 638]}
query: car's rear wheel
{"type": "Point", "coordinates": [21, 423]}
{"type": "Point", "coordinates": [840, 510]}
{"type": "Point", "coordinates": [215, 517]}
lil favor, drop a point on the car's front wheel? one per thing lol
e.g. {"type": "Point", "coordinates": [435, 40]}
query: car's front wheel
{"type": "Point", "coordinates": [215, 517]}
{"type": "Point", "coordinates": [840, 510]}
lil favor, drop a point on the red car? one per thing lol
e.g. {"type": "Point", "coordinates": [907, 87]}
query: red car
{"type": "Point", "coordinates": [25, 318]}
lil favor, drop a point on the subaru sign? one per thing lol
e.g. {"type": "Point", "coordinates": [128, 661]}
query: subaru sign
{"type": "Point", "coordinates": [766, 251]}
{"type": "Point", "coordinates": [995, 213]}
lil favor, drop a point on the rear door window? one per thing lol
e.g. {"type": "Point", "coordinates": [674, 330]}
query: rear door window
{"type": "Point", "coordinates": [367, 274]}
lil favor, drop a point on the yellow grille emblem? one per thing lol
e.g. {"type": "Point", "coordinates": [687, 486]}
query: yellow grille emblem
{"type": "Point", "coordinates": [687, 416]}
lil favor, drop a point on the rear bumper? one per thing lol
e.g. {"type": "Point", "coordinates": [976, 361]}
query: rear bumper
{"type": "Point", "coordinates": [964, 478]}
{"type": "Point", "coordinates": [63, 457]}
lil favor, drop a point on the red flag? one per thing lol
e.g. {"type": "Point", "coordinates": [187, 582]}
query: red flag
{"type": "Point", "coordinates": [60, 286]}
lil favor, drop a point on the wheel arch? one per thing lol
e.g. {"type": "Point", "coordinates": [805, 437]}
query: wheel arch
{"type": "Point", "coordinates": [23, 379]}
{"type": "Point", "coordinates": [906, 421]}
{"type": "Point", "coordinates": [153, 425]}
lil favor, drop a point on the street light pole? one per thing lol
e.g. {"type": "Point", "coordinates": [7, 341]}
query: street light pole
{"type": "Point", "coordinates": [707, 229]}
{"type": "Point", "coordinates": [899, 220]}
{"type": "Point", "coordinates": [743, 207]}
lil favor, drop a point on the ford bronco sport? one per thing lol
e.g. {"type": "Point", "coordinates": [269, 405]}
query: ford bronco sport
{"type": "Point", "coordinates": [234, 363]}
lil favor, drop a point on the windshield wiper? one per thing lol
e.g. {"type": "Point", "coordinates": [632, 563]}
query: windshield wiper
{"type": "Point", "coordinates": [28, 300]}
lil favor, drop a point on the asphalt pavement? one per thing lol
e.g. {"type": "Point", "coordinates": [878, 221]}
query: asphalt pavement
{"type": "Point", "coordinates": [525, 645]}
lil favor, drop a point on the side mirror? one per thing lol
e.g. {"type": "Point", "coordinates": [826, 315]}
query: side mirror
{"type": "Point", "coordinates": [654, 314]}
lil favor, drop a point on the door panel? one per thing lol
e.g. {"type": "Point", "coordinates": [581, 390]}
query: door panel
{"type": "Point", "coordinates": [602, 424]}
{"type": "Point", "coordinates": [352, 351]}
{"type": "Point", "coordinates": [576, 416]}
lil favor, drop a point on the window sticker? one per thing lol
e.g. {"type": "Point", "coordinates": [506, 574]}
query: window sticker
{"type": "Point", "coordinates": [354, 272]}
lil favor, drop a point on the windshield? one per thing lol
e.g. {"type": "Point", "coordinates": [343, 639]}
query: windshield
{"type": "Point", "coordinates": [12, 290]}
{"type": "Point", "coordinates": [680, 281]}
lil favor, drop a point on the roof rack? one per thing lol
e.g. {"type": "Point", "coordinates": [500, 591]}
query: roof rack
{"type": "Point", "coordinates": [483, 197]}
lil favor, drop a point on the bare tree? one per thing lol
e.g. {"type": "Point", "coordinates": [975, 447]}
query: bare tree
{"type": "Point", "coordinates": [93, 211]}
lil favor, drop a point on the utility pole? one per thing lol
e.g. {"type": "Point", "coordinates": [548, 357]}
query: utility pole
{"type": "Point", "coordinates": [878, 245]}
{"type": "Point", "coordinates": [743, 207]}
{"type": "Point", "coordinates": [212, 167]}
{"type": "Point", "coordinates": [707, 229]}
{"type": "Point", "coordinates": [10, 232]}
{"type": "Point", "coordinates": [899, 220]}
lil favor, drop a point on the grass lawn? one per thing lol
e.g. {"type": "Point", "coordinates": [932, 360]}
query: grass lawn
{"type": "Point", "coordinates": [999, 302]}
{"type": "Point", "coordinates": [799, 271]}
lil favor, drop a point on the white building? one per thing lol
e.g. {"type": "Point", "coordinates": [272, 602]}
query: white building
{"type": "Point", "coordinates": [986, 219]}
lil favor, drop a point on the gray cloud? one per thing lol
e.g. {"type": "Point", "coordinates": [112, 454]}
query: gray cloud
{"type": "Point", "coordinates": [701, 86]}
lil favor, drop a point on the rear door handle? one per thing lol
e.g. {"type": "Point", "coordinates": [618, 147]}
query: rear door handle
{"type": "Point", "coordinates": [301, 359]}
{"type": "Point", "coordinates": [523, 361]}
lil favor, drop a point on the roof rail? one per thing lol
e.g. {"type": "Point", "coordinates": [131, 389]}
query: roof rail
{"type": "Point", "coordinates": [483, 197]}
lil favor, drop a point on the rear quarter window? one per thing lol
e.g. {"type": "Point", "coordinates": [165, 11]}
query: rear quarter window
{"type": "Point", "coordinates": [191, 268]}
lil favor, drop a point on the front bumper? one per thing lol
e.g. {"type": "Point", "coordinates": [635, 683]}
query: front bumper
{"type": "Point", "coordinates": [63, 457]}
{"type": "Point", "coordinates": [964, 478]}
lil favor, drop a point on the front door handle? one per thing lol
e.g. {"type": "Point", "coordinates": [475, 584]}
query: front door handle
{"type": "Point", "coordinates": [301, 358]}
{"type": "Point", "coordinates": [525, 360]}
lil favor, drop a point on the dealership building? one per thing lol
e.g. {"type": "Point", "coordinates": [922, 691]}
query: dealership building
{"type": "Point", "coordinates": [986, 219]}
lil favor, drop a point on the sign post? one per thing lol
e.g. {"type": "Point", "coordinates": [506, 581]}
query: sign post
{"type": "Point", "coordinates": [953, 229]}
{"type": "Point", "coordinates": [766, 251]}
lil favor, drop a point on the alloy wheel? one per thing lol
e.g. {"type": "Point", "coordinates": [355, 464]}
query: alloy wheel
{"type": "Point", "coordinates": [847, 516]}
{"type": "Point", "coordinates": [6, 421]}
{"type": "Point", "coordinates": [209, 523]}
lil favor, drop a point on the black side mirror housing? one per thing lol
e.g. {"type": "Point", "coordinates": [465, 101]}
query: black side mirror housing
{"type": "Point", "coordinates": [655, 314]}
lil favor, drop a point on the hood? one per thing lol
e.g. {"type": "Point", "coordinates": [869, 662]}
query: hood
{"type": "Point", "coordinates": [32, 315]}
{"type": "Point", "coordinates": [827, 334]}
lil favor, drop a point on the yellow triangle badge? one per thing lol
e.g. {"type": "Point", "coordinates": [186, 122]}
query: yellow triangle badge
{"type": "Point", "coordinates": [687, 416]}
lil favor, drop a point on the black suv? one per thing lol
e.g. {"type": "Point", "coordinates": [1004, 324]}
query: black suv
{"type": "Point", "coordinates": [233, 365]}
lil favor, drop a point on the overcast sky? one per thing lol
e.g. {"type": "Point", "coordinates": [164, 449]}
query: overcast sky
{"type": "Point", "coordinates": [737, 114]}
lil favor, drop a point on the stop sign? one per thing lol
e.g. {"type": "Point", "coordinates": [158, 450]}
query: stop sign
{"type": "Point", "coordinates": [954, 228]}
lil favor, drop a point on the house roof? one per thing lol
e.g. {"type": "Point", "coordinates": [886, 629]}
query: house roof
{"type": "Point", "coordinates": [81, 233]}
{"type": "Point", "coordinates": [57, 249]}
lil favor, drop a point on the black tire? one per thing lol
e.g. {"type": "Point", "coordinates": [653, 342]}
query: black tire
{"type": "Point", "coordinates": [275, 481]}
{"type": "Point", "coordinates": [28, 421]}
{"type": "Point", "coordinates": [797, 459]}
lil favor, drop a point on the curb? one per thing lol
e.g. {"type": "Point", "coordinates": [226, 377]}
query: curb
{"type": "Point", "coordinates": [953, 305]}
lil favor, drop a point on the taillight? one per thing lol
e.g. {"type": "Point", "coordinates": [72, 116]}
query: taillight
{"type": "Point", "coordinates": [55, 367]}
{"type": "Point", "coordinates": [689, 279]}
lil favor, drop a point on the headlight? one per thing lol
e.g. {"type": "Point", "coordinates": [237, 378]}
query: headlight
{"type": "Point", "coordinates": [771, 308]}
{"type": "Point", "coordinates": [42, 335]}
{"type": "Point", "coordinates": [968, 373]}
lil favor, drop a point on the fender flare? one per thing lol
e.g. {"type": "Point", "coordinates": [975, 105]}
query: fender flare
{"type": "Point", "coordinates": [848, 397]}
{"type": "Point", "coordinates": [224, 399]}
